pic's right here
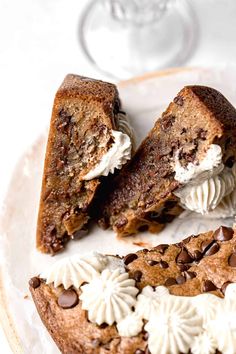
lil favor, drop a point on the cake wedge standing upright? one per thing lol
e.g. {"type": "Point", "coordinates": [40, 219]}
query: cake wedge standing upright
{"type": "Point", "coordinates": [88, 138]}
{"type": "Point", "coordinates": [187, 161]}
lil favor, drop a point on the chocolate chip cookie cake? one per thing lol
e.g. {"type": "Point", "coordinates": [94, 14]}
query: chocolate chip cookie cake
{"type": "Point", "coordinates": [88, 138]}
{"type": "Point", "coordinates": [187, 161]}
{"type": "Point", "coordinates": [171, 299]}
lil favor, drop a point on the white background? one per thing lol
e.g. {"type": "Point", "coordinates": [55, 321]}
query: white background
{"type": "Point", "coordinates": [39, 45]}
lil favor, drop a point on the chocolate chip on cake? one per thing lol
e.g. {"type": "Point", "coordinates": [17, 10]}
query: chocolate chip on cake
{"type": "Point", "coordinates": [152, 262]}
{"type": "Point", "coordinates": [34, 282]}
{"type": "Point", "coordinates": [206, 244]}
{"type": "Point", "coordinates": [196, 255]}
{"type": "Point", "coordinates": [179, 100]}
{"type": "Point", "coordinates": [183, 267]}
{"type": "Point", "coordinates": [143, 228]}
{"type": "Point", "coordinates": [180, 279]}
{"type": "Point", "coordinates": [130, 258]}
{"type": "Point", "coordinates": [163, 264]}
{"type": "Point", "coordinates": [208, 286]}
{"type": "Point", "coordinates": [68, 299]}
{"type": "Point", "coordinates": [184, 257]}
{"type": "Point", "coordinates": [103, 325]}
{"type": "Point", "coordinates": [224, 286]}
{"type": "Point", "coordinates": [190, 275]}
{"type": "Point", "coordinates": [232, 260]}
{"type": "Point", "coordinates": [137, 275]}
{"type": "Point", "coordinates": [223, 233]}
{"type": "Point", "coordinates": [170, 281]}
{"type": "Point", "coordinates": [212, 249]}
{"type": "Point", "coordinates": [162, 248]}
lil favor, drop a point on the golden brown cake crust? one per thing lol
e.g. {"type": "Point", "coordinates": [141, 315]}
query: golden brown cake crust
{"type": "Point", "coordinates": [141, 197]}
{"type": "Point", "coordinates": [196, 265]}
{"type": "Point", "coordinates": [80, 133]}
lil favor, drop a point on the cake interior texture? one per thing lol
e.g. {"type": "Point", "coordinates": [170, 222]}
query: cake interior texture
{"type": "Point", "coordinates": [142, 196]}
{"type": "Point", "coordinates": [83, 117]}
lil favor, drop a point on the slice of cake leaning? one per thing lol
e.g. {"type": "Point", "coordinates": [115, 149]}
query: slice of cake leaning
{"type": "Point", "coordinates": [167, 300]}
{"type": "Point", "coordinates": [187, 161]}
{"type": "Point", "coordinates": [88, 138]}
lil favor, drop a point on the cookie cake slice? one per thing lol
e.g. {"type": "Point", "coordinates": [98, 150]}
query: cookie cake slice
{"type": "Point", "coordinates": [88, 138]}
{"type": "Point", "coordinates": [171, 299]}
{"type": "Point", "coordinates": [187, 161]}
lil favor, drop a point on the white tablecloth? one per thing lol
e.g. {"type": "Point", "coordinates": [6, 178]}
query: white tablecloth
{"type": "Point", "coordinates": [39, 45]}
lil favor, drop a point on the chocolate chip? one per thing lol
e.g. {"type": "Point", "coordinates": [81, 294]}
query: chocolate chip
{"type": "Point", "coordinates": [206, 244]}
{"type": "Point", "coordinates": [161, 248]}
{"type": "Point", "coordinates": [167, 121]}
{"type": "Point", "coordinates": [190, 275]}
{"type": "Point", "coordinates": [139, 351]}
{"type": "Point", "coordinates": [163, 264]}
{"type": "Point", "coordinates": [68, 299]}
{"type": "Point", "coordinates": [224, 286]}
{"type": "Point", "coordinates": [230, 162]}
{"type": "Point", "coordinates": [143, 228]}
{"type": "Point", "coordinates": [154, 215]}
{"type": "Point", "coordinates": [208, 286]}
{"type": "Point", "coordinates": [180, 279]}
{"type": "Point", "coordinates": [212, 249]}
{"type": "Point", "coordinates": [183, 267]}
{"type": "Point", "coordinates": [137, 275]}
{"type": "Point", "coordinates": [145, 336]}
{"type": "Point", "coordinates": [184, 257]}
{"type": "Point", "coordinates": [170, 204]}
{"type": "Point", "coordinates": [79, 234]}
{"type": "Point", "coordinates": [34, 282]}
{"type": "Point", "coordinates": [95, 343]}
{"type": "Point", "coordinates": [179, 100]}
{"type": "Point", "coordinates": [145, 250]}
{"type": "Point", "coordinates": [170, 282]}
{"type": "Point", "coordinates": [202, 134]}
{"type": "Point", "coordinates": [152, 263]}
{"type": "Point", "coordinates": [130, 258]}
{"type": "Point", "coordinates": [223, 233]}
{"type": "Point", "coordinates": [232, 260]}
{"type": "Point", "coordinates": [196, 255]}
{"type": "Point", "coordinates": [103, 325]}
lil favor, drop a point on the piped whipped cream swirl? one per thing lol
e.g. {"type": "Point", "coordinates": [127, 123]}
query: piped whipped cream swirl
{"type": "Point", "coordinates": [118, 154]}
{"type": "Point", "coordinates": [109, 297]}
{"type": "Point", "coordinates": [75, 270]}
{"type": "Point", "coordinates": [123, 125]}
{"type": "Point", "coordinates": [208, 185]}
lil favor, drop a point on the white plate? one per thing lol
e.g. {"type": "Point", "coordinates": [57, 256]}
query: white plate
{"type": "Point", "coordinates": [144, 99]}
